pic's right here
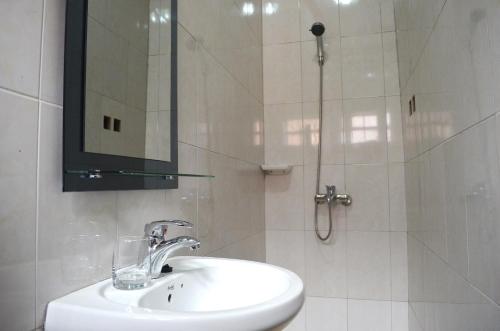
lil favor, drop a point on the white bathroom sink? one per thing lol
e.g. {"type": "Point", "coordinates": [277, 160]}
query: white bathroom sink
{"type": "Point", "coordinates": [201, 294]}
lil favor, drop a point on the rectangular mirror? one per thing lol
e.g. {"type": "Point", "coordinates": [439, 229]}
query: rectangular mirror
{"type": "Point", "coordinates": [127, 87]}
{"type": "Point", "coordinates": [120, 93]}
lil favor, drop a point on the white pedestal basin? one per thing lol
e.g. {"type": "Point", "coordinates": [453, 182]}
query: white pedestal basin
{"type": "Point", "coordinates": [202, 294]}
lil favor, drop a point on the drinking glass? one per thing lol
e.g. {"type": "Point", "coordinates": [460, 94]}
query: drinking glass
{"type": "Point", "coordinates": [131, 263]}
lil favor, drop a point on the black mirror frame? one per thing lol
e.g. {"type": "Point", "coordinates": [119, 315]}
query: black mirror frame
{"type": "Point", "coordinates": [74, 156]}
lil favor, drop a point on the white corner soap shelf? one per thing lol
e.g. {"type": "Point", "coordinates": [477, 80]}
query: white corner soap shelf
{"type": "Point", "coordinates": [276, 170]}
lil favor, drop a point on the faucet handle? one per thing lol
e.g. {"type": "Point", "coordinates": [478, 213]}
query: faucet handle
{"type": "Point", "coordinates": [330, 190]}
{"type": "Point", "coordinates": [158, 229]}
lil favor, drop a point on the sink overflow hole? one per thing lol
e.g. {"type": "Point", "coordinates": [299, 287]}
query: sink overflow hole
{"type": "Point", "coordinates": [169, 297]}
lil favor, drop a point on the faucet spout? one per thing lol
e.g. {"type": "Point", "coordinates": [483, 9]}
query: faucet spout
{"type": "Point", "coordinates": [161, 252]}
{"type": "Point", "coordinates": [160, 248]}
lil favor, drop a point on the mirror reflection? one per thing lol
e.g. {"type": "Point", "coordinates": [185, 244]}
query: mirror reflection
{"type": "Point", "coordinates": [127, 87]}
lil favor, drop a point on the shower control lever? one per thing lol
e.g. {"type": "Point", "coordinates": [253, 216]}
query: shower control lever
{"type": "Point", "coordinates": [344, 199]}
{"type": "Point", "coordinates": [331, 196]}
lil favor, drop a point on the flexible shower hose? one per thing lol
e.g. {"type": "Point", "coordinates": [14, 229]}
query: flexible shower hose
{"type": "Point", "coordinates": [318, 169]}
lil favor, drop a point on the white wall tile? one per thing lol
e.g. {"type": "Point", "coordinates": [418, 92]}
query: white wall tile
{"type": "Point", "coordinates": [333, 132]}
{"type": "Point", "coordinates": [222, 112]}
{"type": "Point", "coordinates": [53, 52]}
{"type": "Point", "coordinates": [223, 205]}
{"type": "Point", "coordinates": [326, 265]}
{"type": "Point", "coordinates": [324, 11]}
{"type": "Point", "coordinates": [281, 21]}
{"type": "Point", "coordinates": [251, 198]}
{"type": "Point", "coordinates": [364, 182]}
{"type": "Point", "coordinates": [184, 200]}
{"type": "Point", "coordinates": [18, 148]}
{"type": "Point", "coordinates": [394, 129]}
{"type": "Point", "coordinates": [387, 16]}
{"type": "Point", "coordinates": [365, 130]}
{"type": "Point", "coordinates": [332, 70]}
{"type": "Point", "coordinates": [284, 201]}
{"type": "Point", "coordinates": [326, 314]}
{"type": "Point", "coordinates": [237, 49]}
{"type": "Point", "coordinates": [360, 17]}
{"type": "Point", "coordinates": [368, 266]}
{"type": "Point", "coordinates": [369, 315]}
{"type": "Point", "coordinates": [188, 87]}
{"type": "Point", "coordinates": [399, 316]}
{"type": "Point", "coordinates": [284, 139]}
{"type": "Point", "coordinates": [416, 253]}
{"type": "Point", "coordinates": [412, 196]}
{"type": "Point", "coordinates": [286, 249]}
{"type": "Point", "coordinates": [148, 206]}
{"type": "Point", "coordinates": [391, 74]}
{"type": "Point", "coordinates": [397, 200]}
{"type": "Point", "coordinates": [399, 266]}
{"type": "Point", "coordinates": [254, 19]}
{"type": "Point", "coordinates": [456, 223]}
{"type": "Point", "coordinates": [282, 83]}
{"type": "Point", "coordinates": [298, 323]}
{"type": "Point", "coordinates": [212, 195]}
{"type": "Point", "coordinates": [248, 249]}
{"type": "Point", "coordinates": [482, 198]}
{"type": "Point", "coordinates": [434, 205]}
{"type": "Point", "coordinates": [435, 285]}
{"type": "Point", "coordinates": [20, 57]}
{"type": "Point", "coordinates": [362, 66]}
{"type": "Point", "coordinates": [413, 323]}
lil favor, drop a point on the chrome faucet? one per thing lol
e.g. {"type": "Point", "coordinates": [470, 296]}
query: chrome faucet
{"type": "Point", "coordinates": [161, 248]}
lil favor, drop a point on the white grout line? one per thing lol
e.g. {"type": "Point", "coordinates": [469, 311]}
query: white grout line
{"type": "Point", "coordinates": [304, 216]}
{"type": "Point", "coordinates": [388, 180]}
{"type": "Point", "coordinates": [222, 65]}
{"type": "Point", "coordinates": [18, 94]}
{"type": "Point", "coordinates": [37, 208]}
{"type": "Point", "coordinates": [452, 137]}
{"type": "Point", "coordinates": [54, 105]}
{"type": "Point", "coordinates": [456, 272]}
{"type": "Point", "coordinates": [426, 42]}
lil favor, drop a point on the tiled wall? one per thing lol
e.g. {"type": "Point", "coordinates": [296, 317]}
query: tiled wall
{"type": "Point", "coordinates": [358, 282]}
{"type": "Point", "coordinates": [52, 243]}
{"type": "Point", "coordinates": [449, 55]}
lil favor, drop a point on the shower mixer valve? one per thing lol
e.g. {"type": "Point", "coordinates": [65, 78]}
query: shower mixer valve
{"type": "Point", "coordinates": [332, 196]}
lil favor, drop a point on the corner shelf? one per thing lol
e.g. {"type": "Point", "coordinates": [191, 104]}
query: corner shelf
{"type": "Point", "coordinates": [276, 170]}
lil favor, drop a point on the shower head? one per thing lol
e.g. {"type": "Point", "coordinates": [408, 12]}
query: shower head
{"type": "Point", "coordinates": [317, 29]}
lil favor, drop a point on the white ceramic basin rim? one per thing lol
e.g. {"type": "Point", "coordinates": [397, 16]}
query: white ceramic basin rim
{"type": "Point", "coordinates": [201, 294]}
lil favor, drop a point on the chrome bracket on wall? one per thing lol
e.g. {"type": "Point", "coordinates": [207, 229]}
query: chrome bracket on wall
{"type": "Point", "coordinates": [92, 174]}
{"type": "Point", "coordinates": [99, 174]}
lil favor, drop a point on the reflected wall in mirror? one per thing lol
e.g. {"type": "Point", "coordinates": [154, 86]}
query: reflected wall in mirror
{"type": "Point", "coordinates": [128, 78]}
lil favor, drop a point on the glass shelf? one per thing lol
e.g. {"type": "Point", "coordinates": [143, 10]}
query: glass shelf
{"type": "Point", "coordinates": [97, 174]}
